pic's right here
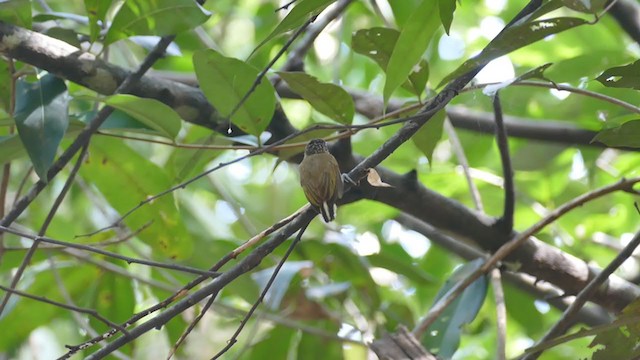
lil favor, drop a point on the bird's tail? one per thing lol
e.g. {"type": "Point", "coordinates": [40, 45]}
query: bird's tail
{"type": "Point", "coordinates": [328, 211]}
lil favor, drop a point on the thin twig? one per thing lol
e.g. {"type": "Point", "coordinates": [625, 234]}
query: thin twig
{"type": "Point", "coordinates": [90, 312]}
{"type": "Point", "coordinates": [128, 259]}
{"type": "Point", "coordinates": [568, 317]}
{"type": "Point", "coordinates": [234, 337]}
{"type": "Point", "coordinates": [458, 149]}
{"type": "Point", "coordinates": [512, 245]}
{"type": "Point", "coordinates": [34, 246]}
{"type": "Point", "coordinates": [501, 314]}
{"type": "Point", "coordinates": [185, 289]}
{"type": "Point", "coordinates": [506, 221]}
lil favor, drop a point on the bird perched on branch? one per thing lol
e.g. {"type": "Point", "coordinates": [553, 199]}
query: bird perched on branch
{"type": "Point", "coordinates": [320, 178]}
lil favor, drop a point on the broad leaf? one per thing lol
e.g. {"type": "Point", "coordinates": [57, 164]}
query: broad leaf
{"type": "Point", "coordinates": [17, 12]}
{"type": "Point", "coordinates": [515, 38]}
{"type": "Point", "coordinates": [377, 43]}
{"type": "Point", "coordinates": [411, 45]}
{"type": "Point", "coordinates": [150, 112]}
{"type": "Point", "coordinates": [627, 76]}
{"type": "Point", "coordinates": [444, 333]}
{"type": "Point", "coordinates": [429, 134]}
{"type": "Point", "coordinates": [41, 119]}
{"type": "Point", "coordinates": [124, 177]}
{"type": "Point", "coordinates": [302, 11]}
{"type": "Point", "coordinates": [225, 81]}
{"type": "Point", "coordinates": [155, 17]}
{"type": "Point", "coordinates": [624, 135]}
{"type": "Point", "coordinates": [329, 99]}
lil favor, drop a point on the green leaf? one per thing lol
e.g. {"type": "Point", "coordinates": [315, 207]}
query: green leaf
{"type": "Point", "coordinates": [627, 76]}
{"type": "Point", "coordinates": [447, 8]}
{"type": "Point", "coordinates": [515, 38]}
{"type": "Point", "coordinates": [112, 297]}
{"type": "Point", "coordinates": [301, 12]}
{"type": "Point", "coordinates": [41, 119]}
{"type": "Point", "coordinates": [377, 43]}
{"type": "Point", "coordinates": [329, 99]}
{"type": "Point", "coordinates": [585, 65]}
{"type": "Point", "coordinates": [155, 17]}
{"type": "Point", "coordinates": [444, 333]}
{"type": "Point", "coordinates": [16, 12]}
{"type": "Point", "coordinates": [225, 81]}
{"type": "Point", "coordinates": [124, 177]}
{"type": "Point", "coordinates": [11, 148]}
{"type": "Point", "coordinates": [627, 134]}
{"type": "Point", "coordinates": [585, 6]}
{"type": "Point", "coordinates": [411, 45]}
{"type": "Point", "coordinates": [429, 134]}
{"type": "Point", "coordinates": [150, 112]}
{"type": "Point", "coordinates": [96, 10]}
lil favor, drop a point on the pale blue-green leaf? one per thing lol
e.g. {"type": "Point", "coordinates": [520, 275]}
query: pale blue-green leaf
{"type": "Point", "coordinates": [42, 119]}
{"type": "Point", "coordinates": [225, 81]}
{"type": "Point", "coordinates": [411, 45]}
{"type": "Point", "coordinates": [444, 333]}
{"type": "Point", "coordinates": [329, 99]}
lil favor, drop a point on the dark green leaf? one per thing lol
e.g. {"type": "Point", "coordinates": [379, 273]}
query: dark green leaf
{"type": "Point", "coordinates": [429, 134]}
{"type": "Point", "coordinates": [329, 99]}
{"type": "Point", "coordinates": [16, 12]}
{"type": "Point", "coordinates": [151, 112]}
{"type": "Point", "coordinates": [447, 8]}
{"type": "Point", "coordinates": [515, 38]}
{"type": "Point", "coordinates": [225, 81]}
{"type": "Point", "coordinates": [627, 76]}
{"type": "Point", "coordinates": [156, 17]}
{"type": "Point", "coordinates": [411, 45]}
{"type": "Point", "coordinates": [302, 11]}
{"type": "Point", "coordinates": [41, 119]}
{"type": "Point", "coordinates": [444, 333]}
{"type": "Point", "coordinates": [627, 134]}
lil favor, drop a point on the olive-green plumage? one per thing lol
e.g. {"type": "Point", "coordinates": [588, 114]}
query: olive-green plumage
{"type": "Point", "coordinates": [320, 178]}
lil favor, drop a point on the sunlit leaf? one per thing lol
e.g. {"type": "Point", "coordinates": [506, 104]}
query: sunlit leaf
{"type": "Point", "coordinates": [225, 81]}
{"type": "Point", "coordinates": [42, 119]}
{"type": "Point", "coordinates": [302, 11]}
{"type": "Point", "coordinates": [378, 43]}
{"type": "Point", "coordinates": [156, 17]}
{"type": "Point", "coordinates": [586, 6]}
{"type": "Point", "coordinates": [411, 45]}
{"type": "Point", "coordinates": [329, 99]}
{"type": "Point", "coordinates": [150, 112]}
{"type": "Point", "coordinates": [96, 11]}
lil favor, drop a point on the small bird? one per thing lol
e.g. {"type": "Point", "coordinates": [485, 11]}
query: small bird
{"type": "Point", "coordinates": [320, 178]}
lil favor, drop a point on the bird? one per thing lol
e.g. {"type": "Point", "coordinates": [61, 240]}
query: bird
{"type": "Point", "coordinates": [320, 178]}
